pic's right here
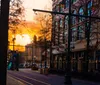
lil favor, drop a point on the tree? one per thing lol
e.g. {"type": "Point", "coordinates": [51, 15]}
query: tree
{"type": "Point", "coordinates": [45, 22]}
{"type": "Point", "coordinates": [16, 17]}
{"type": "Point", "coordinates": [16, 12]}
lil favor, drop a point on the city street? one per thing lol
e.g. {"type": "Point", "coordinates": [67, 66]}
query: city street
{"type": "Point", "coordinates": [30, 77]}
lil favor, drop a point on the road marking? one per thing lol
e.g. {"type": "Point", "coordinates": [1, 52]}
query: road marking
{"type": "Point", "coordinates": [34, 79]}
{"type": "Point", "coordinates": [19, 79]}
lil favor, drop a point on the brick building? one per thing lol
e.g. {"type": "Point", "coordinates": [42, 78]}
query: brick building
{"type": "Point", "coordinates": [79, 32]}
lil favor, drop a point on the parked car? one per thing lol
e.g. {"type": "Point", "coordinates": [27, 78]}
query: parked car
{"type": "Point", "coordinates": [34, 66]}
{"type": "Point", "coordinates": [27, 65]}
{"type": "Point", "coordinates": [21, 65]}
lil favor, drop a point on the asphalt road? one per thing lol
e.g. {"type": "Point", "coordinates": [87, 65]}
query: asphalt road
{"type": "Point", "coordinates": [30, 77]}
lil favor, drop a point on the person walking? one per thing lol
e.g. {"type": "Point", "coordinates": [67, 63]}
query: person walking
{"type": "Point", "coordinates": [16, 60]}
{"type": "Point", "coordinates": [10, 63]}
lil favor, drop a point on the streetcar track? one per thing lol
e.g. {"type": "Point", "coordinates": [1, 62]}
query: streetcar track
{"type": "Point", "coordinates": [28, 72]}
{"type": "Point", "coordinates": [33, 79]}
{"type": "Point", "coordinates": [19, 79]}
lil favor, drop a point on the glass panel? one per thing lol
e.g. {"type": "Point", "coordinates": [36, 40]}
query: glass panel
{"type": "Point", "coordinates": [67, 3]}
{"type": "Point", "coordinates": [81, 12]}
{"type": "Point", "coordinates": [74, 33]}
{"type": "Point", "coordinates": [74, 18]}
{"type": "Point", "coordinates": [61, 7]}
{"type": "Point", "coordinates": [61, 23]}
{"type": "Point", "coordinates": [80, 32]}
{"type": "Point", "coordinates": [57, 8]}
{"type": "Point", "coordinates": [89, 8]}
{"type": "Point", "coordinates": [66, 22]}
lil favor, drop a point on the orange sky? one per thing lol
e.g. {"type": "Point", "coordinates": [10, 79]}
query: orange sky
{"type": "Point", "coordinates": [35, 4]}
{"type": "Point", "coordinates": [29, 16]}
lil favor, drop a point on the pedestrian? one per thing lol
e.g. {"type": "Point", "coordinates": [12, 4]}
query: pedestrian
{"type": "Point", "coordinates": [10, 63]}
{"type": "Point", "coordinates": [16, 60]}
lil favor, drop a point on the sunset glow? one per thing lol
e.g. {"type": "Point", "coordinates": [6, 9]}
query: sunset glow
{"type": "Point", "coordinates": [35, 4]}
{"type": "Point", "coordinates": [23, 39]}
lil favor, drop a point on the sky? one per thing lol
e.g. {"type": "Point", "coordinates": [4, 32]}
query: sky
{"type": "Point", "coordinates": [35, 4]}
{"type": "Point", "coordinates": [29, 16]}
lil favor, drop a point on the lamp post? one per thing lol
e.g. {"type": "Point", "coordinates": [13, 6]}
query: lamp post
{"type": "Point", "coordinates": [14, 39]}
{"type": "Point", "coordinates": [33, 49]}
{"type": "Point", "coordinates": [68, 62]}
{"type": "Point", "coordinates": [45, 61]}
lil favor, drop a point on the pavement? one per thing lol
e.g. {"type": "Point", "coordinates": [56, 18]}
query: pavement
{"type": "Point", "coordinates": [59, 81]}
{"type": "Point", "coordinates": [12, 81]}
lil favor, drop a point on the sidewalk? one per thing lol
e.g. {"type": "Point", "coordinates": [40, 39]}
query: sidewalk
{"type": "Point", "coordinates": [12, 81]}
{"type": "Point", "coordinates": [59, 80]}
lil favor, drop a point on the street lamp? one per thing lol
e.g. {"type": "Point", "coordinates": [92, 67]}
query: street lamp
{"type": "Point", "coordinates": [33, 49]}
{"type": "Point", "coordinates": [45, 61]}
{"type": "Point", "coordinates": [14, 39]}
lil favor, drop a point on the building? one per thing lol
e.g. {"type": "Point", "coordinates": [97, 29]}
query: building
{"type": "Point", "coordinates": [37, 53]}
{"type": "Point", "coordinates": [82, 29]}
{"type": "Point", "coordinates": [32, 52]}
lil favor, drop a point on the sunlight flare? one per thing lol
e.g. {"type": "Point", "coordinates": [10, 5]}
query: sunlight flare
{"type": "Point", "coordinates": [23, 39]}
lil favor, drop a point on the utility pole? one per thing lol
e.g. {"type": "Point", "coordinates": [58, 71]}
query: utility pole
{"type": "Point", "coordinates": [88, 41]}
{"type": "Point", "coordinates": [13, 39]}
{"type": "Point", "coordinates": [45, 47]}
{"type": "Point", "coordinates": [32, 50]}
{"type": "Point", "coordinates": [68, 58]}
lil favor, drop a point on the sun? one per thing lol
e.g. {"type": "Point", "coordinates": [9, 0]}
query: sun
{"type": "Point", "coordinates": [23, 39]}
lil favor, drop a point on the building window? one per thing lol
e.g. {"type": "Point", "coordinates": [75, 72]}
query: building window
{"type": "Point", "coordinates": [66, 22]}
{"type": "Point", "coordinates": [67, 3]}
{"type": "Point", "coordinates": [74, 18]}
{"type": "Point", "coordinates": [56, 26]}
{"type": "Point", "coordinates": [61, 7]}
{"type": "Point", "coordinates": [80, 30]}
{"type": "Point", "coordinates": [56, 32]}
{"type": "Point", "coordinates": [57, 8]}
{"type": "Point", "coordinates": [66, 29]}
{"type": "Point", "coordinates": [81, 12]}
{"type": "Point", "coordinates": [80, 27]}
{"type": "Point", "coordinates": [61, 23]}
{"type": "Point", "coordinates": [74, 32]}
{"type": "Point", "coordinates": [89, 12]}
{"type": "Point", "coordinates": [89, 8]}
